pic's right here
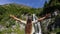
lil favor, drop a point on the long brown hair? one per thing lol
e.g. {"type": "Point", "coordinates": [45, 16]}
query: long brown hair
{"type": "Point", "coordinates": [28, 27]}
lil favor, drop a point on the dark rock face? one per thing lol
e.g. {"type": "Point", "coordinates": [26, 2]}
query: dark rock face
{"type": "Point", "coordinates": [50, 27]}
{"type": "Point", "coordinates": [58, 33]}
{"type": "Point", "coordinates": [55, 24]}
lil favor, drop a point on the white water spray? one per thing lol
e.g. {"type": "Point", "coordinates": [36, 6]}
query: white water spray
{"type": "Point", "coordinates": [37, 26]}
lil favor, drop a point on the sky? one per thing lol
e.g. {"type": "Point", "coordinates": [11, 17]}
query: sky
{"type": "Point", "coordinates": [31, 3]}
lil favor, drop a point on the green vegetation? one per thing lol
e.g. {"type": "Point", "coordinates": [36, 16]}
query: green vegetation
{"type": "Point", "coordinates": [18, 10]}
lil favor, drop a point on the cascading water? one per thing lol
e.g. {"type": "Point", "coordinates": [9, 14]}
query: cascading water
{"type": "Point", "coordinates": [37, 26]}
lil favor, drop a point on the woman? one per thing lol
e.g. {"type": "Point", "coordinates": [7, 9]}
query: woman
{"type": "Point", "coordinates": [28, 28]}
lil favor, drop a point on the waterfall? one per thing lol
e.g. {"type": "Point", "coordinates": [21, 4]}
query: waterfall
{"type": "Point", "coordinates": [37, 25]}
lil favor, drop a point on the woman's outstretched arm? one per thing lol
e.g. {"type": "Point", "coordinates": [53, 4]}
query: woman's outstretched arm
{"type": "Point", "coordinates": [46, 16]}
{"type": "Point", "coordinates": [22, 21]}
